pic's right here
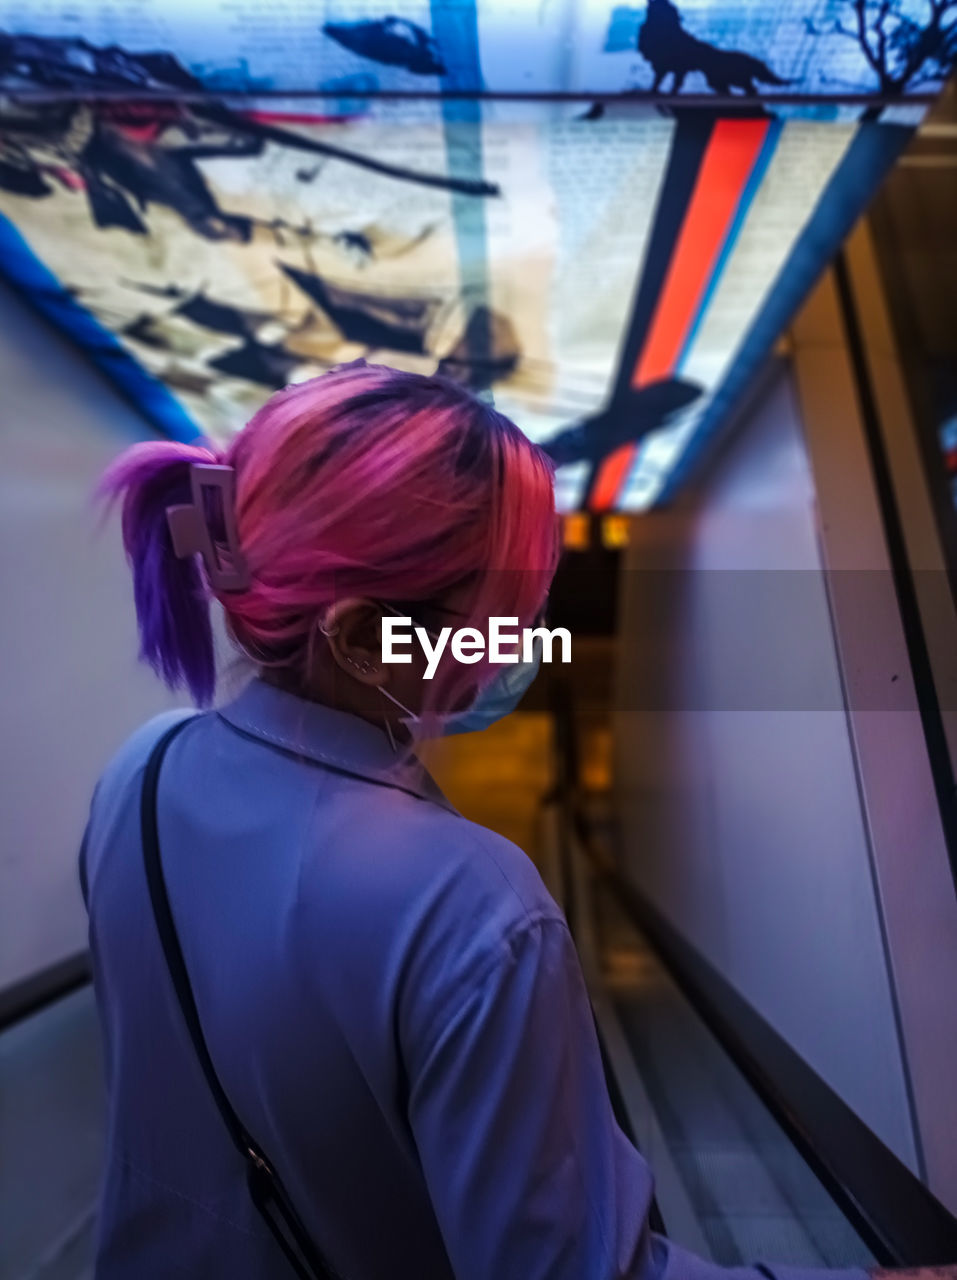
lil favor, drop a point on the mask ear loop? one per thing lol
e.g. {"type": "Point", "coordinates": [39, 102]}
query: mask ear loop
{"type": "Point", "coordinates": [388, 727]}
{"type": "Point", "coordinates": [388, 730]}
{"type": "Point", "coordinates": [329, 631]}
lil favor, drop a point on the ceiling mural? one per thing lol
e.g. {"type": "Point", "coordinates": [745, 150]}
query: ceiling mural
{"type": "Point", "coordinates": [598, 216]}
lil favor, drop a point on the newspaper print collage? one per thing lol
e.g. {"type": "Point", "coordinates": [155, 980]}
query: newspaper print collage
{"type": "Point", "coordinates": [599, 216]}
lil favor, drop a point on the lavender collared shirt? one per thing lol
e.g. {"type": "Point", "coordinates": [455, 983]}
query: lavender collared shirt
{"type": "Point", "coordinates": [392, 1002]}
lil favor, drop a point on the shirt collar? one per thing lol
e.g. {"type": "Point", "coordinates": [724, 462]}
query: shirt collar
{"type": "Point", "coordinates": [336, 739]}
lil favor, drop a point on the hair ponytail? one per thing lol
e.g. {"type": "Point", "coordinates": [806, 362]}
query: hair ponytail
{"type": "Point", "coordinates": [172, 598]}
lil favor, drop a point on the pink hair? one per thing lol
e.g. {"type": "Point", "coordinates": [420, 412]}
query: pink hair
{"type": "Point", "coordinates": [367, 481]}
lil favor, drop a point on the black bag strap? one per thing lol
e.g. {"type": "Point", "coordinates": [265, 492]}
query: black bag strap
{"type": "Point", "coordinates": [265, 1188]}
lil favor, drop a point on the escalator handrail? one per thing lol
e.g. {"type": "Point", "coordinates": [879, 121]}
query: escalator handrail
{"type": "Point", "coordinates": [39, 990]}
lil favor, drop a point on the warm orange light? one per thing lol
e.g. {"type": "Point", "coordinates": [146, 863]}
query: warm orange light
{"type": "Point", "coordinates": [576, 532]}
{"type": "Point", "coordinates": [615, 532]}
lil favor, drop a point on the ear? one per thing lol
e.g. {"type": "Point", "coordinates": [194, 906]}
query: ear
{"type": "Point", "coordinates": [353, 631]}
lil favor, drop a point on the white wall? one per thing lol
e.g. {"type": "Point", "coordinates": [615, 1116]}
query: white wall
{"type": "Point", "coordinates": [735, 770]}
{"type": "Point", "coordinates": [70, 685]}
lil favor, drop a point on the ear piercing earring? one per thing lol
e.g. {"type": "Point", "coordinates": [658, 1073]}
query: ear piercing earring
{"type": "Point", "coordinates": [364, 666]}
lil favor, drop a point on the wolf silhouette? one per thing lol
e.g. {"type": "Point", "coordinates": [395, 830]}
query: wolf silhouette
{"type": "Point", "coordinates": [663, 40]}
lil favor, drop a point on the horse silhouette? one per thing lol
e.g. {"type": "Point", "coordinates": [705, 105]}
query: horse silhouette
{"type": "Point", "coordinates": [669, 48]}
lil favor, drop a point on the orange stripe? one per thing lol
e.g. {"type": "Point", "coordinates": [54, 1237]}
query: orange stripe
{"type": "Point", "coordinates": [725, 169]}
{"type": "Point", "coordinates": [611, 476]}
{"type": "Point", "coordinates": [727, 164]}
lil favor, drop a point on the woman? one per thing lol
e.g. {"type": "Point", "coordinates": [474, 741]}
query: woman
{"type": "Point", "coordinates": [390, 1000]}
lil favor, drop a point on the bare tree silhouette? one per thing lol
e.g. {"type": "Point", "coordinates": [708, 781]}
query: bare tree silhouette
{"type": "Point", "coordinates": [903, 53]}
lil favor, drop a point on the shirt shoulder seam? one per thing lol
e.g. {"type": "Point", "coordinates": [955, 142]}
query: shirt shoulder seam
{"type": "Point", "coordinates": [484, 847]}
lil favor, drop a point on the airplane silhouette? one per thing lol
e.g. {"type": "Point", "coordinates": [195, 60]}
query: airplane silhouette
{"type": "Point", "coordinates": [628, 419]}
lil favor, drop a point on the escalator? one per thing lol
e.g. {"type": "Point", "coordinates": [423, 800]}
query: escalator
{"type": "Point", "coordinates": [755, 1157]}
{"type": "Point", "coordinates": [747, 1192]}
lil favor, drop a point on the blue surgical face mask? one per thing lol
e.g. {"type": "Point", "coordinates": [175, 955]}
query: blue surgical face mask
{"type": "Point", "coordinates": [499, 698]}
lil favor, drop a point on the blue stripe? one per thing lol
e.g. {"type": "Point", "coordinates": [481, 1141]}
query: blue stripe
{"type": "Point", "coordinates": [455, 30]}
{"type": "Point", "coordinates": [20, 266]}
